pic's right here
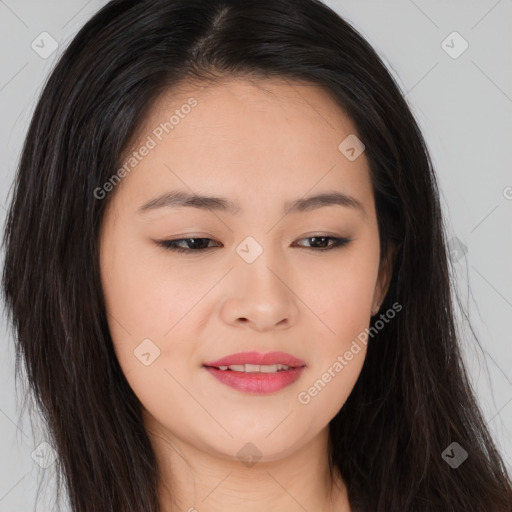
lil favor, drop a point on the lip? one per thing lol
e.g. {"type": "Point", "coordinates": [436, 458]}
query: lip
{"type": "Point", "coordinates": [257, 383]}
{"type": "Point", "coordinates": [253, 357]}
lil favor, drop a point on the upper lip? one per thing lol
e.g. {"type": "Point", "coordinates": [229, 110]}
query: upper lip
{"type": "Point", "coordinates": [254, 357]}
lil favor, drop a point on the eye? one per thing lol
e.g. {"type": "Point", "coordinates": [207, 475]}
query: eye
{"type": "Point", "coordinates": [201, 244]}
{"type": "Point", "coordinates": [193, 244]}
{"type": "Point", "coordinates": [321, 239]}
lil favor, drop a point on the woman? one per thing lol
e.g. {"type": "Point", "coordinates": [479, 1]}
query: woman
{"type": "Point", "coordinates": [227, 271]}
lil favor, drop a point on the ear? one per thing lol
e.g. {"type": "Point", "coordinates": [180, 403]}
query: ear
{"type": "Point", "coordinates": [383, 279]}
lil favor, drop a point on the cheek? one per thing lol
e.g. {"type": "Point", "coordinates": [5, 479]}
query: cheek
{"type": "Point", "coordinates": [342, 305]}
{"type": "Point", "coordinates": [326, 390]}
{"type": "Point", "coordinates": [340, 351]}
{"type": "Point", "coordinates": [150, 306]}
{"type": "Point", "coordinates": [349, 312]}
{"type": "Point", "coordinates": [342, 296]}
{"type": "Point", "coordinates": [143, 296]}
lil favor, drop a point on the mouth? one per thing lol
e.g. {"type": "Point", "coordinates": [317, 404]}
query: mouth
{"type": "Point", "coordinates": [257, 373]}
{"type": "Point", "coordinates": [253, 368]}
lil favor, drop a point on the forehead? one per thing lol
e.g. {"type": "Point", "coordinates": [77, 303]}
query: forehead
{"type": "Point", "coordinates": [237, 109]}
{"type": "Point", "coordinates": [240, 136]}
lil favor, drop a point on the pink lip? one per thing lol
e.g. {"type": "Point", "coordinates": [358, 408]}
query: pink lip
{"type": "Point", "coordinates": [257, 383]}
{"type": "Point", "coordinates": [254, 357]}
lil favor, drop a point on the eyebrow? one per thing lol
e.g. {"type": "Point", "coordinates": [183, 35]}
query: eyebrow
{"type": "Point", "coordinates": [178, 199]}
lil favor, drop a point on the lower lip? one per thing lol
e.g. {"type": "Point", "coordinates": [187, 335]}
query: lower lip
{"type": "Point", "coordinates": [257, 383]}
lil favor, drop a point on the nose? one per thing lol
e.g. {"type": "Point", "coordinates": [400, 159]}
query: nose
{"type": "Point", "coordinates": [260, 296]}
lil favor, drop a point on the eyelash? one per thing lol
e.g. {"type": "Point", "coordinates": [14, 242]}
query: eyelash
{"type": "Point", "coordinates": [170, 244]}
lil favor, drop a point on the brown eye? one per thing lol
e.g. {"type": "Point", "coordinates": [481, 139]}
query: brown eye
{"type": "Point", "coordinates": [192, 244]}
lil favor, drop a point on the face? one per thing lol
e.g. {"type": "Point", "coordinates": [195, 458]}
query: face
{"type": "Point", "coordinates": [256, 274]}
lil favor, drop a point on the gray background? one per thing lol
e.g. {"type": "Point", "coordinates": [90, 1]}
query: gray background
{"type": "Point", "coordinates": [463, 106]}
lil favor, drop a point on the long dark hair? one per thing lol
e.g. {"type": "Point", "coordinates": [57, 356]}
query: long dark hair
{"type": "Point", "coordinates": [413, 397]}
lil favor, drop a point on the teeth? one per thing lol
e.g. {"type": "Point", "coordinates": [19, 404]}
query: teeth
{"type": "Point", "coordinates": [237, 367]}
{"type": "Point", "coordinates": [255, 368]}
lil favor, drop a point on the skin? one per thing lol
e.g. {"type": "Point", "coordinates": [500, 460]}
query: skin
{"type": "Point", "coordinates": [260, 144]}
